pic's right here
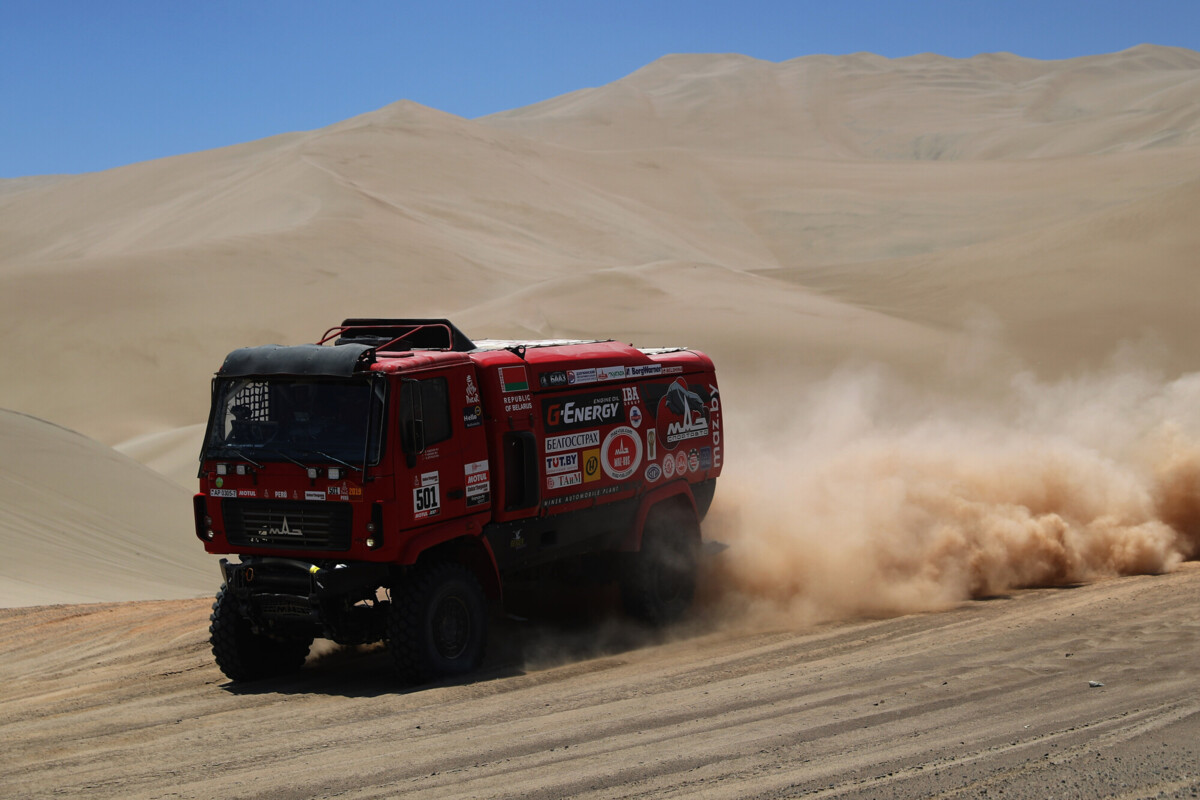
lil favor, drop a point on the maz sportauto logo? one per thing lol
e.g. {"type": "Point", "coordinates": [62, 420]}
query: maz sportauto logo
{"type": "Point", "coordinates": [283, 530]}
{"type": "Point", "coordinates": [681, 415]}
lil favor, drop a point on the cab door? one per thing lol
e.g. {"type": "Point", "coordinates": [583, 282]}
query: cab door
{"type": "Point", "coordinates": [446, 473]}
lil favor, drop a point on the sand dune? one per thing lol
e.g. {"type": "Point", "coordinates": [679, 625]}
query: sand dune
{"type": "Point", "coordinates": [80, 523]}
{"type": "Point", "coordinates": [952, 305]}
{"type": "Point", "coordinates": [788, 218]}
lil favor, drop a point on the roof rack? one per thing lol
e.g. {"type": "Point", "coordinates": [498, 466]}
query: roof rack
{"type": "Point", "coordinates": [389, 335]}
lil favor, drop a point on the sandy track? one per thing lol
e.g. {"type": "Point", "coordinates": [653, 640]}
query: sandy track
{"type": "Point", "coordinates": [991, 698]}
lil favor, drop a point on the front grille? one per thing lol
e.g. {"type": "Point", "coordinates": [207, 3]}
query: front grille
{"type": "Point", "coordinates": [288, 524]}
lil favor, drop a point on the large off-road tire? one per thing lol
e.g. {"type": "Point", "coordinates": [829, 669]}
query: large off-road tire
{"type": "Point", "coordinates": [437, 623]}
{"type": "Point", "coordinates": [244, 655]}
{"type": "Point", "coordinates": [658, 583]}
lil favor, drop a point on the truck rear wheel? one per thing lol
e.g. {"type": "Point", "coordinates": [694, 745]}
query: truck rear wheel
{"type": "Point", "coordinates": [244, 655]}
{"type": "Point", "coordinates": [437, 623]}
{"type": "Point", "coordinates": [659, 583]}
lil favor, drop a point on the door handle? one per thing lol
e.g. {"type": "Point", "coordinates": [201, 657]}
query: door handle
{"type": "Point", "coordinates": [456, 494]}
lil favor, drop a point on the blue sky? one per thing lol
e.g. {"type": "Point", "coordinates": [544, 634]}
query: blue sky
{"type": "Point", "coordinates": [92, 84]}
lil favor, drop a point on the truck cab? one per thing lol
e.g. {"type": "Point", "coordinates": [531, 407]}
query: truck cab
{"type": "Point", "coordinates": [389, 480]}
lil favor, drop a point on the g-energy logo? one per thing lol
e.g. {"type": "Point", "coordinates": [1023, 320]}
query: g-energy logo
{"type": "Point", "coordinates": [584, 411]}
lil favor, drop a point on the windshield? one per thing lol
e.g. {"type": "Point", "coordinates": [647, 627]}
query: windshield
{"type": "Point", "coordinates": [281, 419]}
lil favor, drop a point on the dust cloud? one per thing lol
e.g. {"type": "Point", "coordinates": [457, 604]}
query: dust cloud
{"type": "Point", "coordinates": [866, 495]}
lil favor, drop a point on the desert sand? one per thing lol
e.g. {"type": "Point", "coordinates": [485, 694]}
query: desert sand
{"type": "Point", "coordinates": [953, 308]}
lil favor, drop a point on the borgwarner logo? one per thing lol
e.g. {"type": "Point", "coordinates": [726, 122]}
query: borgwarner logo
{"type": "Point", "coordinates": [584, 411]}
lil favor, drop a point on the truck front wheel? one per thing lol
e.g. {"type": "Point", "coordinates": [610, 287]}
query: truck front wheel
{"type": "Point", "coordinates": [244, 655]}
{"type": "Point", "coordinates": [437, 623]}
{"type": "Point", "coordinates": [659, 582]}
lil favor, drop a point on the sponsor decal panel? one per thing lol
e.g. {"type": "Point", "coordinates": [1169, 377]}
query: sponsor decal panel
{"type": "Point", "coordinates": [621, 453]}
{"type": "Point", "coordinates": [591, 465]}
{"type": "Point", "coordinates": [344, 492]}
{"type": "Point", "coordinates": [714, 410]}
{"type": "Point", "coordinates": [610, 374]}
{"type": "Point", "coordinates": [576, 377]}
{"type": "Point", "coordinates": [563, 481]}
{"type": "Point", "coordinates": [586, 494]}
{"type": "Point", "coordinates": [567, 462]}
{"type": "Point", "coordinates": [553, 380]}
{"type": "Point", "coordinates": [473, 416]}
{"type": "Point", "coordinates": [572, 441]}
{"type": "Point", "coordinates": [513, 379]}
{"type": "Point", "coordinates": [478, 486]}
{"type": "Point", "coordinates": [427, 497]}
{"type": "Point", "coordinates": [681, 416]}
{"type": "Point", "coordinates": [583, 411]}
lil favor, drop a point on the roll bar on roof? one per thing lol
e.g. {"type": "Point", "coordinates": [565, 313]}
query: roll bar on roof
{"type": "Point", "coordinates": [385, 335]}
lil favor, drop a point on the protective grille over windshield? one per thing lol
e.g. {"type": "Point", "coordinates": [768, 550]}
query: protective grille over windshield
{"type": "Point", "coordinates": [297, 419]}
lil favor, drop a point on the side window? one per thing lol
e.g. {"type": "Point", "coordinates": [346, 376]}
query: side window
{"type": "Point", "coordinates": [424, 414]}
{"type": "Point", "coordinates": [435, 401]}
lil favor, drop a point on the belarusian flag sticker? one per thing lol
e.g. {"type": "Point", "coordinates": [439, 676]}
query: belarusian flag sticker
{"type": "Point", "coordinates": [514, 379]}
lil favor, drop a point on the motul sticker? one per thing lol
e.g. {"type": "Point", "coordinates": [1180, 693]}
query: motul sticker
{"type": "Point", "coordinates": [572, 441]}
{"type": "Point", "coordinates": [247, 493]}
{"type": "Point", "coordinates": [222, 493]}
{"type": "Point", "coordinates": [562, 481]}
{"type": "Point", "coordinates": [514, 379]}
{"type": "Point", "coordinates": [478, 487]}
{"type": "Point", "coordinates": [621, 453]}
{"type": "Point", "coordinates": [565, 462]}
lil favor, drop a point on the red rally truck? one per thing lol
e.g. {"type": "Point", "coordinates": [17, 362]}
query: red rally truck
{"type": "Point", "coordinates": [389, 481]}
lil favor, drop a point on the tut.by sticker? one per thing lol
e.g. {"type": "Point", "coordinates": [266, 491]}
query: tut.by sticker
{"type": "Point", "coordinates": [565, 462]}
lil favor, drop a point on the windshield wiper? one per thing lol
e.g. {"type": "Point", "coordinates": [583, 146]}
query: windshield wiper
{"type": "Point", "coordinates": [289, 458]}
{"type": "Point", "coordinates": [338, 460]}
{"type": "Point", "coordinates": [244, 457]}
